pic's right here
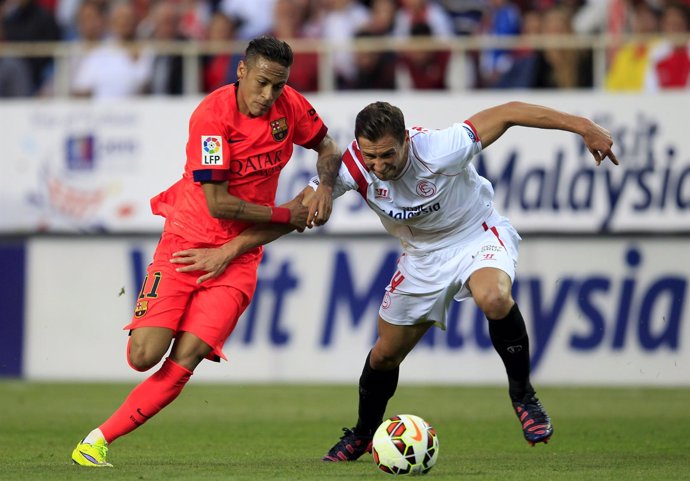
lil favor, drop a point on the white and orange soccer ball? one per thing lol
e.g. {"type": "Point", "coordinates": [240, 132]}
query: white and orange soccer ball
{"type": "Point", "coordinates": [405, 445]}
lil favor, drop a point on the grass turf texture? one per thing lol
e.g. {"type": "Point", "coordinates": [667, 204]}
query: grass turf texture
{"type": "Point", "coordinates": [239, 432]}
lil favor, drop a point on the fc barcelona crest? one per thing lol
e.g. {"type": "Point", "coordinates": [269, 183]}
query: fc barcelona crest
{"type": "Point", "coordinates": [279, 129]}
{"type": "Point", "coordinates": [141, 308]}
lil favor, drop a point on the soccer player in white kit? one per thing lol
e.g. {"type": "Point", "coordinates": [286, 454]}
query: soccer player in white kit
{"type": "Point", "coordinates": [455, 246]}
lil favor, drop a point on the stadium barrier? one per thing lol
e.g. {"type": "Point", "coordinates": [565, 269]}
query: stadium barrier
{"type": "Point", "coordinates": [460, 48]}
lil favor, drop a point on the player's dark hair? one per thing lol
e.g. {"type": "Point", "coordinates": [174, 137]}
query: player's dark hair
{"type": "Point", "coordinates": [379, 119]}
{"type": "Point", "coordinates": [269, 48]}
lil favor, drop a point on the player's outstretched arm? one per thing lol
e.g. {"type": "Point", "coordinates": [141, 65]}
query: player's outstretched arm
{"type": "Point", "coordinates": [222, 205]}
{"type": "Point", "coordinates": [327, 167]}
{"type": "Point", "coordinates": [214, 261]}
{"type": "Point", "coordinates": [493, 122]}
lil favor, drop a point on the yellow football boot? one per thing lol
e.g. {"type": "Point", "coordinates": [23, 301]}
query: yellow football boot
{"type": "Point", "coordinates": [93, 455]}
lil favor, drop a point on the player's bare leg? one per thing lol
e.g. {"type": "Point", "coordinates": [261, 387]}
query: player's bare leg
{"type": "Point", "coordinates": [377, 385]}
{"type": "Point", "coordinates": [147, 346]}
{"type": "Point", "coordinates": [491, 289]}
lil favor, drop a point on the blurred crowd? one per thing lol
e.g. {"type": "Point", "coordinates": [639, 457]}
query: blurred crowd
{"type": "Point", "coordinates": [103, 64]}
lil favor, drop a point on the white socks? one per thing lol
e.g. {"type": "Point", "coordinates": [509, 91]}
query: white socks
{"type": "Point", "coordinates": [93, 436]}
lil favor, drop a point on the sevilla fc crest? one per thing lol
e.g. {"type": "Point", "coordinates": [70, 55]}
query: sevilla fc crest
{"type": "Point", "coordinates": [279, 129]}
{"type": "Point", "coordinates": [425, 188]}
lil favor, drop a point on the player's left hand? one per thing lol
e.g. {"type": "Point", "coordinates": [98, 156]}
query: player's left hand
{"type": "Point", "coordinates": [320, 206]}
{"type": "Point", "coordinates": [211, 261]}
{"type": "Point", "coordinates": [599, 143]}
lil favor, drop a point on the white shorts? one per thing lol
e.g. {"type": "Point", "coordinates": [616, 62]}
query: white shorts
{"type": "Point", "coordinates": [423, 286]}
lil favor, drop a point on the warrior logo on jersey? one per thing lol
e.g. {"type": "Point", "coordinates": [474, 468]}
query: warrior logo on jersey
{"type": "Point", "coordinates": [211, 150]}
{"type": "Point", "coordinates": [279, 129]}
{"type": "Point", "coordinates": [381, 193]}
{"type": "Point", "coordinates": [425, 188]}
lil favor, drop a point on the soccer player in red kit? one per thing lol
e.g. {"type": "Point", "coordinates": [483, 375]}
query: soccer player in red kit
{"type": "Point", "coordinates": [240, 138]}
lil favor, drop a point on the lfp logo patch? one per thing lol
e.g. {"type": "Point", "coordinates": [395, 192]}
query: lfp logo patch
{"type": "Point", "coordinates": [211, 150]}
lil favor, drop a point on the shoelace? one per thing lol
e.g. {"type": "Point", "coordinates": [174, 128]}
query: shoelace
{"type": "Point", "coordinates": [102, 449]}
{"type": "Point", "coordinates": [536, 410]}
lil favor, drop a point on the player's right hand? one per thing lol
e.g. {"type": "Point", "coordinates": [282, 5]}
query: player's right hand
{"type": "Point", "coordinates": [212, 261]}
{"type": "Point", "coordinates": [599, 142]}
{"type": "Point", "coordinates": [299, 213]}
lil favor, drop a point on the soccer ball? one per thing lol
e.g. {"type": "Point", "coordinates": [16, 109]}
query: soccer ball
{"type": "Point", "coordinates": [405, 444]}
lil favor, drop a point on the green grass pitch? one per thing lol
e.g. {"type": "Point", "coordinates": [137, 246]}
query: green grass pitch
{"type": "Point", "coordinates": [279, 432]}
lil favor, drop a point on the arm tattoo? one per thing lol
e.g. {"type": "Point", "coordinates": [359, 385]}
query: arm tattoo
{"type": "Point", "coordinates": [240, 208]}
{"type": "Point", "coordinates": [328, 164]}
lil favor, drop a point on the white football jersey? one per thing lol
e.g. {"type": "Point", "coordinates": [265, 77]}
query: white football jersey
{"type": "Point", "coordinates": [438, 200]}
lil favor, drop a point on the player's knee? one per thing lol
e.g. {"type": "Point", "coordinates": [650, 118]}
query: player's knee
{"type": "Point", "coordinates": [142, 359]}
{"type": "Point", "coordinates": [494, 302]}
{"type": "Point", "coordinates": [188, 351]}
{"type": "Point", "coordinates": [381, 360]}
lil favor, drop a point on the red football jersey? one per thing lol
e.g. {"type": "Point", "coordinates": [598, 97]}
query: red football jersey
{"type": "Point", "coordinates": [249, 153]}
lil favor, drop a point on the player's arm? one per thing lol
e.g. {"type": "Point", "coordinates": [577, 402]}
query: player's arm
{"type": "Point", "coordinates": [213, 261]}
{"type": "Point", "coordinates": [327, 167]}
{"type": "Point", "coordinates": [222, 205]}
{"type": "Point", "coordinates": [493, 122]}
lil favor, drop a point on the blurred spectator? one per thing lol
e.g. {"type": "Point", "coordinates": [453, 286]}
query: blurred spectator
{"type": "Point", "coordinates": [553, 66]}
{"type": "Point", "coordinates": [412, 12]}
{"type": "Point", "coordinates": [116, 68]}
{"type": "Point", "coordinates": [15, 76]}
{"type": "Point", "coordinates": [592, 16]}
{"type": "Point", "coordinates": [142, 9]}
{"type": "Point", "coordinates": [167, 75]}
{"type": "Point", "coordinates": [669, 65]}
{"type": "Point", "coordinates": [382, 17]}
{"type": "Point", "coordinates": [374, 70]}
{"type": "Point", "coordinates": [338, 22]}
{"type": "Point", "coordinates": [531, 28]}
{"type": "Point", "coordinates": [465, 15]}
{"type": "Point", "coordinates": [195, 16]}
{"type": "Point", "coordinates": [434, 19]}
{"type": "Point", "coordinates": [89, 30]}
{"type": "Point", "coordinates": [27, 21]}
{"type": "Point", "coordinates": [426, 69]}
{"type": "Point", "coordinates": [91, 21]}
{"type": "Point", "coordinates": [221, 68]}
{"type": "Point", "coordinates": [630, 62]}
{"type": "Point", "coordinates": [253, 16]}
{"type": "Point", "coordinates": [289, 19]}
{"type": "Point", "coordinates": [501, 18]}
{"type": "Point", "coordinates": [66, 13]}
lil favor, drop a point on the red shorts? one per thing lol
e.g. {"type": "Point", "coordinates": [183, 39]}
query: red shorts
{"type": "Point", "coordinates": [174, 300]}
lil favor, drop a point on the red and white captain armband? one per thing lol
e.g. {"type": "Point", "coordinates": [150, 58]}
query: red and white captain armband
{"type": "Point", "coordinates": [280, 215]}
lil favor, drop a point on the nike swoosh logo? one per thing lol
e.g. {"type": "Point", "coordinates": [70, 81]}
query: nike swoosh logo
{"type": "Point", "coordinates": [418, 436]}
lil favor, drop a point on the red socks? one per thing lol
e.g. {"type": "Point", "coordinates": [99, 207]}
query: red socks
{"type": "Point", "coordinates": [146, 400]}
